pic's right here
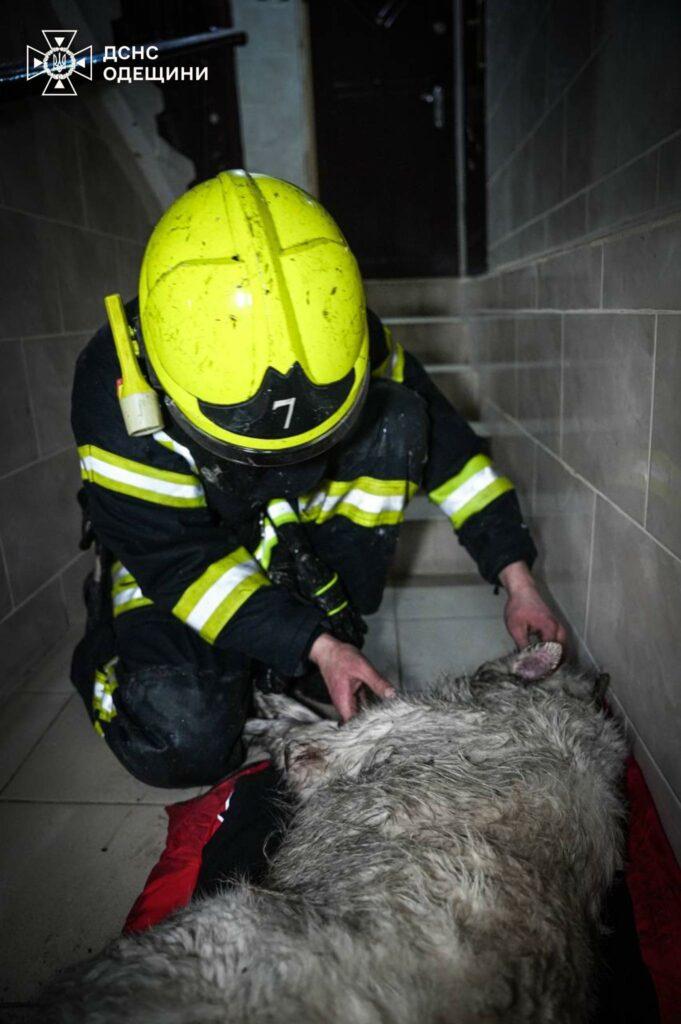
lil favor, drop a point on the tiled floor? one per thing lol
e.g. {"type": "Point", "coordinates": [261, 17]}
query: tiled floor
{"type": "Point", "coordinates": [79, 835]}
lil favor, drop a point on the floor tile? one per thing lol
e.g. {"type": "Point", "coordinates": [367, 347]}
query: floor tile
{"type": "Point", "coordinates": [72, 763]}
{"type": "Point", "coordinates": [29, 634]}
{"type": "Point", "coordinates": [51, 675]}
{"type": "Point", "coordinates": [453, 600]}
{"type": "Point", "coordinates": [429, 647]}
{"type": "Point", "coordinates": [380, 647]}
{"type": "Point", "coordinates": [24, 717]}
{"type": "Point", "coordinates": [419, 508]}
{"type": "Point", "coordinates": [429, 547]}
{"type": "Point", "coordinates": [68, 876]}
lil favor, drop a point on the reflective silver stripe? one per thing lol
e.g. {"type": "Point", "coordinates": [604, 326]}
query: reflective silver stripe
{"type": "Point", "coordinates": [280, 511]}
{"type": "Point", "coordinates": [218, 592]}
{"type": "Point", "coordinates": [362, 500]}
{"type": "Point", "coordinates": [141, 481]}
{"type": "Point", "coordinates": [468, 490]}
{"type": "Point", "coordinates": [267, 540]}
{"type": "Point", "coordinates": [124, 596]}
{"type": "Point", "coordinates": [104, 696]}
{"type": "Point", "coordinates": [277, 508]}
{"type": "Point", "coordinates": [119, 573]}
{"type": "Point", "coordinates": [391, 361]}
{"type": "Point", "coordinates": [168, 442]}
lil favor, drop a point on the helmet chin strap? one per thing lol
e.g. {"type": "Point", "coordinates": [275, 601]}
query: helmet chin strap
{"type": "Point", "coordinates": [144, 360]}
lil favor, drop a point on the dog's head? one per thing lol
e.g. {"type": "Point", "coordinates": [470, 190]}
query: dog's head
{"type": "Point", "coordinates": [532, 664]}
{"type": "Point", "coordinates": [540, 665]}
{"type": "Point", "coordinates": [312, 751]}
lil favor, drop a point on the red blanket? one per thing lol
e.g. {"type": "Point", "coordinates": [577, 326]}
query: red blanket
{"type": "Point", "coordinates": [191, 824]}
{"type": "Point", "coordinates": [654, 880]}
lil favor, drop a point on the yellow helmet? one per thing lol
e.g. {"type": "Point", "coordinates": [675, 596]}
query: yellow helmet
{"type": "Point", "coordinates": [253, 320]}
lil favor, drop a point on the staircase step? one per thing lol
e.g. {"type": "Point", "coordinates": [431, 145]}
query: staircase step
{"type": "Point", "coordinates": [420, 510]}
{"type": "Point", "coordinates": [460, 596]}
{"type": "Point", "coordinates": [428, 296]}
{"type": "Point", "coordinates": [428, 547]}
{"type": "Point", "coordinates": [433, 340]}
{"type": "Point", "coordinates": [443, 296]}
{"type": "Point", "coordinates": [442, 344]}
{"type": "Point", "coordinates": [460, 386]}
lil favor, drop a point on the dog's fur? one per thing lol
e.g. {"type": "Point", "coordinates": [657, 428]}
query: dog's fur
{"type": "Point", "coordinates": [446, 864]}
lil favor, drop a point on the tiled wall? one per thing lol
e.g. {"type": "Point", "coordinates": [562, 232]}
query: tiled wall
{"type": "Point", "coordinates": [579, 350]}
{"type": "Point", "coordinates": [275, 90]}
{"type": "Point", "coordinates": [583, 130]}
{"type": "Point", "coordinates": [71, 230]}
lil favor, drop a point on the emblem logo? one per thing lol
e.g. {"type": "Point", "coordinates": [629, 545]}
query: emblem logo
{"type": "Point", "coordinates": [59, 62]}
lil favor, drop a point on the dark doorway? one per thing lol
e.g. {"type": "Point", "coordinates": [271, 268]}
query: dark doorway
{"type": "Point", "coordinates": [386, 140]}
{"type": "Point", "coordinates": [201, 121]}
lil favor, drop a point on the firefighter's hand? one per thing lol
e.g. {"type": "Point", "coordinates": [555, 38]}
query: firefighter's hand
{"type": "Point", "coordinates": [526, 612]}
{"type": "Point", "coordinates": [345, 671]}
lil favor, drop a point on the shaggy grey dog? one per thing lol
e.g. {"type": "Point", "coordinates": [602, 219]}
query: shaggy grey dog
{"type": "Point", "coordinates": [446, 864]}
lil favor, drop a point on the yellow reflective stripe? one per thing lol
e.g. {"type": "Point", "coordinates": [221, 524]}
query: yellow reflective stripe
{"type": "Point", "coordinates": [470, 490]}
{"type": "Point", "coordinates": [472, 467]}
{"type": "Point", "coordinates": [366, 501]}
{"type": "Point", "coordinates": [280, 512]}
{"type": "Point", "coordinates": [118, 570]}
{"type": "Point", "coordinates": [481, 500]}
{"type": "Point", "coordinates": [129, 606]}
{"type": "Point", "coordinates": [338, 608]}
{"type": "Point", "coordinates": [327, 586]}
{"type": "Point", "coordinates": [105, 683]}
{"type": "Point", "coordinates": [392, 367]}
{"type": "Point", "coordinates": [126, 594]}
{"type": "Point", "coordinates": [390, 517]}
{"type": "Point", "coordinates": [397, 370]}
{"type": "Point", "coordinates": [122, 582]}
{"type": "Point", "coordinates": [129, 599]}
{"type": "Point", "coordinates": [122, 585]}
{"type": "Point", "coordinates": [209, 602]}
{"type": "Point", "coordinates": [138, 480]}
{"type": "Point", "coordinates": [372, 485]}
{"type": "Point", "coordinates": [269, 539]}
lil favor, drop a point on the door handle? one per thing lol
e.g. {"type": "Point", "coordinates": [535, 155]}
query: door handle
{"type": "Point", "coordinates": [437, 100]}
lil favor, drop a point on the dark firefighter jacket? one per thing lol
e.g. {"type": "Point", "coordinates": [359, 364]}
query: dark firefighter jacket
{"type": "Point", "coordinates": [190, 538]}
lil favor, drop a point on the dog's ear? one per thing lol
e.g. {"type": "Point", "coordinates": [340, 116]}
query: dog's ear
{"type": "Point", "coordinates": [298, 746]}
{"type": "Point", "coordinates": [305, 756]}
{"type": "Point", "coordinates": [305, 763]}
{"type": "Point", "coordinates": [537, 661]}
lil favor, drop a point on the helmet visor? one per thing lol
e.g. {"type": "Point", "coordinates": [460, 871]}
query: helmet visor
{"type": "Point", "coordinates": [250, 456]}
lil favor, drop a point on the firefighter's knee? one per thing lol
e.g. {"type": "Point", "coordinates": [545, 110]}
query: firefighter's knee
{"type": "Point", "coordinates": [177, 726]}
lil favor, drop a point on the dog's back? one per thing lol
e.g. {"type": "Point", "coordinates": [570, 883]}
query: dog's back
{"type": "Point", "coordinates": [446, 863]}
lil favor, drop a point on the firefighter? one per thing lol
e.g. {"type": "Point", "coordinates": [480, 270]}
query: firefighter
{"type": "Point", "coordinates": [249, 436]}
